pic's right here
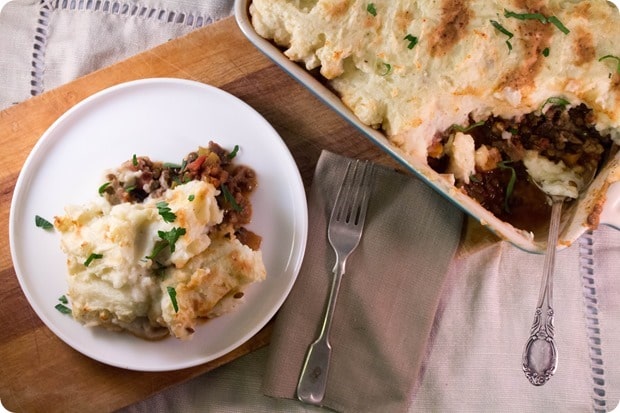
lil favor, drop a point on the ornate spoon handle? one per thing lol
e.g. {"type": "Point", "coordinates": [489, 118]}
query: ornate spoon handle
{"type": "Point", "coordinates": [540, 356]}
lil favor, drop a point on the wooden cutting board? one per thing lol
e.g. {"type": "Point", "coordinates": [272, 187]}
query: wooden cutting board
{"type": "Point", "coordinates": [38, 372]}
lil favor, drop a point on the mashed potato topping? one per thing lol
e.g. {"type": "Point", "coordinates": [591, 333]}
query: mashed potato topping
{"type": "Point", "coordinates": [450, 81]}
{"type": "Point", "coordinates": [156, 264]}
{"type": "Point", "coordinates": [416, 67]}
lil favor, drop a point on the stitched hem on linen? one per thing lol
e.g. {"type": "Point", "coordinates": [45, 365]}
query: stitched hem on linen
{"type": "Point", "coordinates": [588, 281]}
{"type": "Point", "coordinates": [117, 7]}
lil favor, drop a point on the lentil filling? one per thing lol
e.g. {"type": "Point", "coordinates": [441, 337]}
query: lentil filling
{"type": "Point", "coordinates": [213, 164]}
{"type": "Point", "coordinates": [502, 185]}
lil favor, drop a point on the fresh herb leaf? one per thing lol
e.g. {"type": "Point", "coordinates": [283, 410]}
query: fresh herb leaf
{"type": "Point", "coordinates": [129, 188]}
{"type": "Point", "coordinates": [232, 154]}
{"type": "Point", "coordinates": [62, 308]}
{"type": "Point", "coordinates": [545, 52]}
{"type": "Point", "coordinates": [191, 198]}
{"type": "Point", "coordinates": [526, 16]}
{"type": "Point", "coordinates": [540, 17]}
{"type": "Point", "coordinates": [171, 236]}
{"type": "Point", "coordinates": [511, 183]}
{"type": "Point", "coordinates": [91, 258]}
{"type": "Point", "coordinates": [556, 101]}
{"type": "Point", "coordinates": [157, 248]}
{"type": "Point", "coordinates": [371, 9]}
{"type": "Point", "coordinates": [103, 188]}
{"type": "Point", "coordinates": [173, 298]}
{"type": "Point", "coordinates": [62, 305]}
{"type": "Point", "coordinates": [557, 23]}
{"type": "Point", "coordinates": [134, 160]}
{"type": "Point", "coordinates": [388, 69]}
{"type": "Point", "coordinates": [172, 165]}
{"type": "Point", "coordinates": [230, 198]}
{"type": "Point", "coordinates": [180, 180]}
{"type": "Point", "coordinates": [168, 238]}
{"type": "Point", "coordinates": [503, 30]}
{"type": "Point", "coordinates": [165, 211]}
{"type": "Point", "coordinates": [616, 58]}
{"type": "Point", "coordinates": [464, 129]}
{"type": "Point", "coordinates": [412, 41]}
{"type": "Point", "coordinates": [41, 222]}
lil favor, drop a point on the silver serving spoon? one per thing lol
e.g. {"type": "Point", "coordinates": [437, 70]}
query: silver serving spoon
{"type": "Point", "coordinates": [540, 355]}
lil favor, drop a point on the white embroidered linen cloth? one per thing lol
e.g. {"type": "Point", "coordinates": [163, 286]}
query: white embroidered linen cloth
{"type": "Point", "coordinates": [486, 308]}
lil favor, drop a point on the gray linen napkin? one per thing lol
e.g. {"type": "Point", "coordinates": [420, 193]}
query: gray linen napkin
{"type": "Point", "coordinates": [388, 298]}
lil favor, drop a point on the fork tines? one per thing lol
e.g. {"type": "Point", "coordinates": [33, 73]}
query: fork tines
{"type": "Point", "coordinates": [352, 199]}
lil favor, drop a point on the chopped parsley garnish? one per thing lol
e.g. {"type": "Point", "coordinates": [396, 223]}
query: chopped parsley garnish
{"type": "Point", "coordinates": [172, 293]}
{"type": "Point", "coordinates": [526, 16]}
{"type": "Point", "coordinates": [134, 160]}
{"type": "Point", "coordinates": [165, 211]}
{"type": "Point", "coordinates": [388, 69]}
{"type": "Point", "coordinates": [41, 222]}
{"type": "Point", "coordinates": [168, 238]}
{"type": "Point", "coordinates": [159, 246]}
{"type": "Point", "coordinates": [464, 129]}
{"type": "Point", "coordinates": [503, 30]}
{"type": "Point", "coordinates": [62, 308]}
{"type": "Point", "coordinates": [557, 23]}
{"type": "Point", "coordinates": [371, 9]}
{"type": "Point", "coordinates": [129, 188]}
{"type": "Point", "coordinates": [412, 41]}
{"type": "Point", "coordinates": [191, 198]}
{"type": "Point", "coordinates": [556, 101]}
{"type": "Point", "coordinates": [545, 52]}
{"type": "Point", "coordinates": [230, 198]}
{"type": "Point", "coordinates": [538, 16]}
{"type": "Point", "coordinates": [91, 258]}
{"type": "Point", "coordinates": [103, 187]}
{"type": "Point", "coordinates": [232, 154]}
{"type": "Point", "coordinates": [172, 165]}
{"type": "Point", "coordinates": [62, 305]}
{"type": "Point", "coordinates": [616, 58]}
{"type": "Point", "coordinates": [511, 183]}
{"type": "Point", "coordinates": [181, 180]}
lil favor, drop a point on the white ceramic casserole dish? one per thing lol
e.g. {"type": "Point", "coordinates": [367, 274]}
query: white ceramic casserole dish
{"type": "Point", "coordinates": [599, 205]}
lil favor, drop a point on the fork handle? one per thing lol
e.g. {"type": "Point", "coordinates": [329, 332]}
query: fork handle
{"type": "Point", "coordinates": [313, 379]}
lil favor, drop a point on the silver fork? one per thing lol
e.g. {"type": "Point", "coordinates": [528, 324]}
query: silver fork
{"type": "Point", "coordinates": [344, 234]}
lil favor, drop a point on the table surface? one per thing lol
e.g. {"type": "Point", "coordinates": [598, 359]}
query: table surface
{"type": "Point", "coordinates": [39, 372]}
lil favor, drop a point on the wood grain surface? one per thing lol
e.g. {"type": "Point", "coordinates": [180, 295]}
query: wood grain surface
{"type": "Point", "coordinates": [39, 372]}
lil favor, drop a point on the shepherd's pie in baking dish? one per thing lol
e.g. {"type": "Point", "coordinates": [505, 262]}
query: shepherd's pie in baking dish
{"type": "Point", "coordinates": [486, 93]}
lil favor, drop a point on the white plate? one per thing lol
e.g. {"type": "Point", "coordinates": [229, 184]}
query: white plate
{"type": "Point", "coordinates": [164, 119]}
